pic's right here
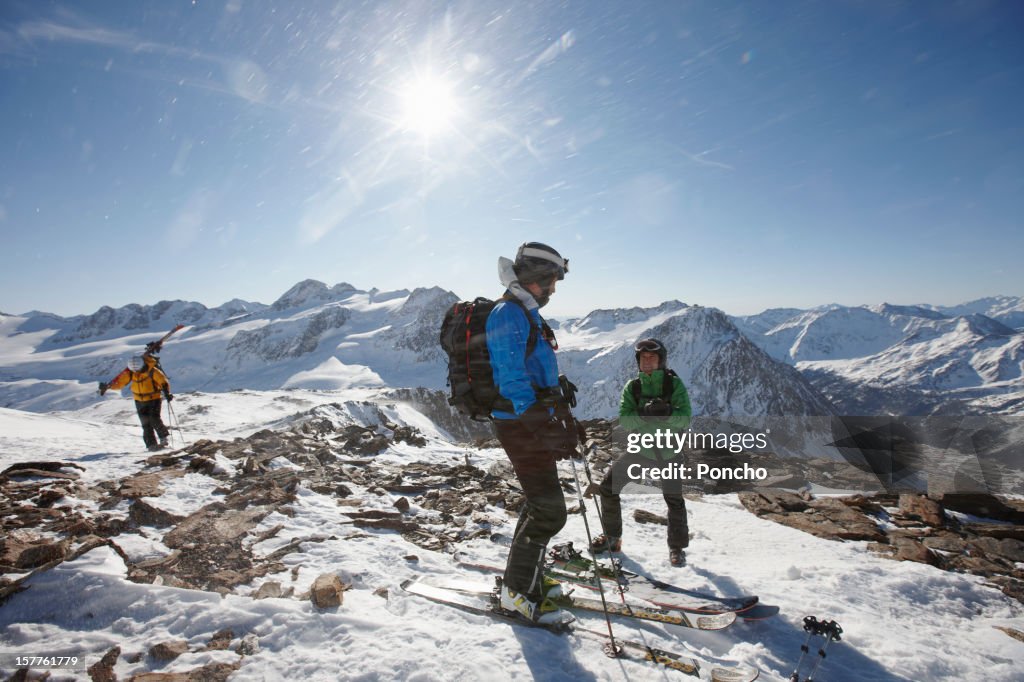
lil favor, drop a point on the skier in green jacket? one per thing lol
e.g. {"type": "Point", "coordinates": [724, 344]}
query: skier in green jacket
{"type": "Point", "coordinates": [645, 398]}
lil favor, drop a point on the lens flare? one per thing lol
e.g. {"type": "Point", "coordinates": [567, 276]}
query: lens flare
{"type": "Point", "coordinates": [429, 107]}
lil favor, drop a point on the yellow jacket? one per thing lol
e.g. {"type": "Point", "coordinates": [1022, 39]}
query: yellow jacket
{"type": "Point", "coordinates": [147, 384]}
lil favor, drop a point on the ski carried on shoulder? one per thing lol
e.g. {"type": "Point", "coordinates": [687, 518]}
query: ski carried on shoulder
{"type": "Point", "coordinates": [717, 621]}
{"type": "Point", "coordinates": [485, 603]}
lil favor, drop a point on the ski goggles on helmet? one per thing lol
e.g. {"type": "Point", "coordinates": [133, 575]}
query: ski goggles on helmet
{"type": "Point", "coordinates": [648, 346]}
{"type": "Point", "coordinates": [544, 256]}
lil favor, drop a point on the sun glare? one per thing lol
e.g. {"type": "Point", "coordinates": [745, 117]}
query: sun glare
{"type": "Point", "coordinates": [428, 106]}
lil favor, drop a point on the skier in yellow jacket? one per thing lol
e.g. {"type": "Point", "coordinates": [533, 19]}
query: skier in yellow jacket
{"type": "Point", "coordinates": [148, 383]}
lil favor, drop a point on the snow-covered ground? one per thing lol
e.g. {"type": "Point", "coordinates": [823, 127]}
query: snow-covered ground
{"type": "Point", "coordinates": [901, 620]}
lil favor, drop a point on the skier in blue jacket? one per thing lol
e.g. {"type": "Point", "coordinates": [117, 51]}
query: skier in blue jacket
{"type": "Point", "coordinates": [533, 428]}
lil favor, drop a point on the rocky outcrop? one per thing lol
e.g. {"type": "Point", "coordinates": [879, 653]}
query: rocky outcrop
{"type": "Point", "coordinates": [911, 527]}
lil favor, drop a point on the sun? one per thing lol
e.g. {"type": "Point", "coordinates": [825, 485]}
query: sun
{"type": "Point", "coordinates": [429, 107]}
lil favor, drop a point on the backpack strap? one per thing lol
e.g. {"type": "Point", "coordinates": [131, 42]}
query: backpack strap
{"type": "Point", "coordinates": [668, 386]}
{"type": "Point", "coordinates": [667, 389]}
{"type": "Point", "coordinates": [634, 388]}
{"type": "Point", "coordinates": [531, 339]}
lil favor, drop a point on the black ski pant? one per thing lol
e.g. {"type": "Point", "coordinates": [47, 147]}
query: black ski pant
{"type": "Point", "coordinates": [544, 512]}
{"type": "Point", "coordinates": [672, 490]}
{"type": "Point", "coordinates": [149, 415]}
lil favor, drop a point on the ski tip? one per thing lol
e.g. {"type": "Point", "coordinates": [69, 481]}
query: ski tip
{"type": "Point", "coordinates": [718, 621]}
{"type": "Point", "coordinates": [759, 612]}
{"type": "Point", "coordinates": [739, 674]}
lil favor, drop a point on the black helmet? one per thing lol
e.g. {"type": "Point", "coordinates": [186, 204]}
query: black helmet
{"type": "Point", "coordinates": [650, 345]}
{"type": "Point", "coordinates": [536, 262]}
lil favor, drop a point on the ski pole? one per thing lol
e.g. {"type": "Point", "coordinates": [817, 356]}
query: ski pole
{"type": "Point", "coordinates": [831, 631]}
{"type": "Point", "coordinates": [619, 580]}
{"type": "Point", "coordinates": [812, 627]}
{"type": "Point", "coordinates": [612, 650]}
{"type": "Point", "coordinates": [175, 423]}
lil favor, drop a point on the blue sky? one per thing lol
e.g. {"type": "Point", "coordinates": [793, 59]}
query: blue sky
{"type": "Point", "coordinates": [737, 155]}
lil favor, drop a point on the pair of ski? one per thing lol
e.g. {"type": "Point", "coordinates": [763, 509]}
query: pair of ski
{"type": "Point", "coordinates": [480, 598]}
{"type": "Point", "coordinates": [569, 566]}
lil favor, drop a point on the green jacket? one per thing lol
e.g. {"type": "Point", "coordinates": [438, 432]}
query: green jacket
{"type": "Point", "coordinates": [650, 387]}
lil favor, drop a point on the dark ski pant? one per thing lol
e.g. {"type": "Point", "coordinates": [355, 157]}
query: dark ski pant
{"type": "Point", "coordinates": [149, 415]}
{"type": "Point", "coordinates": [611, 508]}
{"type": "Point", "coordinates": [544, 512]}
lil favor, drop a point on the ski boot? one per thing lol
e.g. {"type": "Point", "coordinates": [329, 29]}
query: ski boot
{"type": "Point", "coordinates": [606, 543]}
{"type": "Point", "coordinates": [543, 610]}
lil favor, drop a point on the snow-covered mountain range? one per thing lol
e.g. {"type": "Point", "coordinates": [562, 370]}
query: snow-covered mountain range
{"type": "Point", "coordinates": [853, 360]}
{"type": "Point", "coordinates": [320, 337]}
{"type": "Point", "coordinates": [903, 359]}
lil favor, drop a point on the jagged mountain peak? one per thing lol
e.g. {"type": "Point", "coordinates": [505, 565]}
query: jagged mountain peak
{"type": "Point", "coordinates": [607, 319]}
{"type": "Point", "coordinates": [310, 292]}
{"type": "Point", "coordinates": [907, 311]}
{"type": "Point", "coordinates": [983, 325]}
{"type": "Point", "coordinates": [1006, 309]}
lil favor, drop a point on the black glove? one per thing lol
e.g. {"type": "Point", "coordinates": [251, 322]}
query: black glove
{"type": "Point", "coordinates": [561, 439]}
{"type": "Point", "coordinates": [581, 433]}
{"type": "Point", "coordinates": [535, 417]}
{"type": "Point", "coordinates": [551, 432]}
{"type": "Point", "coordinates": [568, 390]}
{"type": "Point", "coordinates": [168, 396]}
{"type": "Point", "coordinates": [103, 387]}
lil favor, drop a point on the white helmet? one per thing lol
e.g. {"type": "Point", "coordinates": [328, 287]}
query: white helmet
{"type": "Point", "coordinates": [136, 363]}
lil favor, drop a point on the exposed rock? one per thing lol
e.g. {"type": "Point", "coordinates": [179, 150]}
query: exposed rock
{"type": "Point", "coordinates": [996, 530]}
{"type": "Point", "coordinates": [221, 640]}
{"type": "Point", "coordinates": [402, 504]}
{"type": "Point", "coordinates": [48, 497]}
{"type": "Point", "coordinates": [827, 518]}
{"type": "Point", "coordinates": [32, 554]}
{"type": "Point", "coordinates": [40, 469]}
{"type": "Point", "coordinates": [642, 516]}
{"type": "Point", "coordinates": [213, 672]}
{"type": "Point", "coordinates": [1016, 634]}
{"type": "Point", "coordinates": [103, 669]}
{"type": "Point", "coordinates": [216, 523]}
{"type": "Point", "coordinates": [249, 646]}
{"type": "Point", "coordinates": [989, 549]}
{"type": "Point", "coordinates": [145, 484]}
{"type": "Point", "coordinates": [908, 549]}
{"type": "Point", "coordinates": [269, 590]}
{"type": "Point", "coordinates": [143, 513]}
{"type": "Point", "coordinates": [946, 542]}
{"type": "Point", "coordinates": [203, 465]}
{"type": "Point", "coordinates": [1012, 551]}
{"type": "Point", "coordinates": [168, 651]}
{"type": "Point", "coordinates": [983, 505]}
{"type": "Point", "coordinates": [920, 507]}
{"type": "Point", "coordinates": [327, 591]}
{"type": "Point", "coordinates": [410, 435]}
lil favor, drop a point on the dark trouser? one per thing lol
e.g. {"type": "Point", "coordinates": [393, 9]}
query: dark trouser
{"type": "Point", "coordinates": [544, 513]}
{"type": "Point", "coordinates": [611, 507]}
{"type": "Point", "coordinates": [149, 415]}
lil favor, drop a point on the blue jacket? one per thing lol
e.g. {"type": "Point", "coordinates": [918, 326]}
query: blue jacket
{"type": "Point", "coordinates": [515, 374]}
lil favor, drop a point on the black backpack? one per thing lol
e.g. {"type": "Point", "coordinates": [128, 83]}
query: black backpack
{"type": "Point", "coordinates": [470, 376]}
{"type": "Point", "coordinates": [658, 406]}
